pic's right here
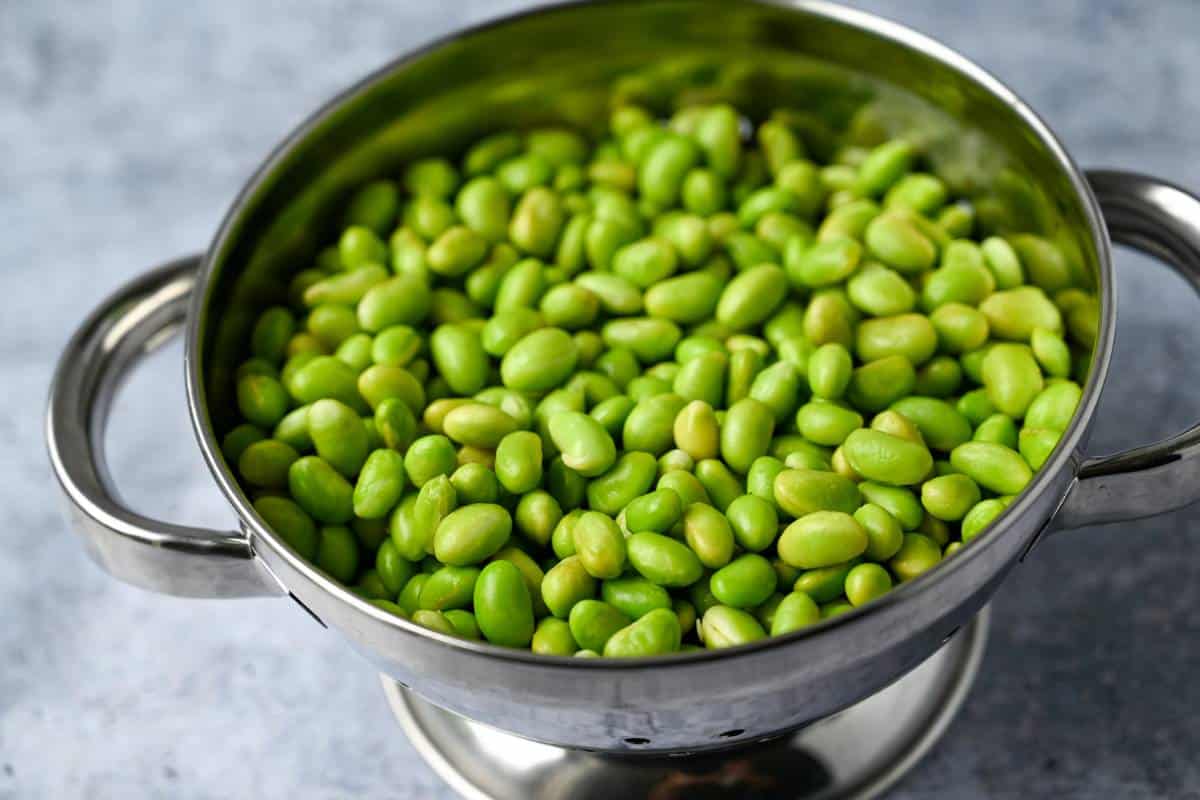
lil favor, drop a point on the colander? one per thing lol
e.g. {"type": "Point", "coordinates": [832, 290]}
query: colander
{"type": "Point", "coordinates": [569, 63]}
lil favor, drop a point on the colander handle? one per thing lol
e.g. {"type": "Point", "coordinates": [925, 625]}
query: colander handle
{"type": "Point", "coordinates": [1161, 220]}
{"type": "Point", "coordinates": [161, 556]}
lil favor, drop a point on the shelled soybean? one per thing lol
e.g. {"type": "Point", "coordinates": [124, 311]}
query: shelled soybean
{"type": "Point", "coordinates": [674, 390]}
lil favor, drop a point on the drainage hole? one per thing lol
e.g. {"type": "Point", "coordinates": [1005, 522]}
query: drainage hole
{"type": "Point", "coordinates": [732, 733]}
{"type": "Point", "coordinates": [636, 740]}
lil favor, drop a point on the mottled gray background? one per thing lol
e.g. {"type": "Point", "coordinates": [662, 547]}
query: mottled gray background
{"type": "Point", "coordinates": [125, 130]}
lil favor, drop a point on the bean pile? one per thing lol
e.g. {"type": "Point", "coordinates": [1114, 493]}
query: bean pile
{"type": "Point", "coordinates": [684, 388]}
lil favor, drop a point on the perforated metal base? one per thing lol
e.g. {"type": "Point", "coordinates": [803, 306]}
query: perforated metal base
{"type": "Point", "coordinates": [857, 753]}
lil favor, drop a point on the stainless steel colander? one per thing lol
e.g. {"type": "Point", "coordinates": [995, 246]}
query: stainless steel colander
{"type": "Point", "coordinates": [567, 63]}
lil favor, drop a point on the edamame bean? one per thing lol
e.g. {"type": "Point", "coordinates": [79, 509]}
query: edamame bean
{"type": "Point", "coordinates": [449, 588]}
{"type": "Point", "coordinates": [910, 335]}
{"type": "Point", "coordinates": [829, 371]}
{"type": "Point", "coordinates": [999, 429]}
{"type": "Point", "coordinates": [745, 582]}
{"type": "Point", "coordinates": [867, 582]}
{"type": "Point", "coordinates": [633, 596]}
{"type": "Point", "coordinates": [992, 466]}
{"type": "Point", "coordinates": [799, 492]}
{"type": "Point", "coordinates": [746, 433]}
{"type": "Point", "coordinates": [822, 539]}
{"type": "Point", "coordinates": [565, 584]}
{"type": "Point", "coordinates": [380, 485]}
{"type": "Point", "coordinates": [827, 423]}
{"type": "Point", "coordinates": [471, 534]}
{"type": "Point", "coordinates": [723, 627]}
{"type": "Point", "coordinates": [981, 516]}
{"type": "Point", "coordinates": [795, 611]}
{"type": "Point", "coordinates": [593, 622]}
{"type": "Point", "coordinates": [321, 490]}
{"type": "Point", "coordinates": [875, 386]}
{"type": "Point", "coordinates": [894, 240]}
{"type": "Point", "coordinates": [519, 461]}
{"type": "Point", "coordinates": [708, 534]}
{"type": "Point", "coordinates": [918, 554]}
{"type": "Point", "coordinates": [291, 522]}
{"type": "Point", "coordinates": [662, 560]}
{"type": "Point", "coordinates": [753, 521]}
{"type": "Point", "coordinates": [262, 400]}
{"type": "Point", "coordinates": [656, 633]}
{"type": "Point", "coordinates": [826, 263]}
{"type": "Point", "coordinates": [1012, 378]}
{"type": "Point", "coordinates": [503, 606]}
{"type": "Point", "coordinates": [888, 459]}
{"type": "Point", "coordinates": [599, 545]}
{"type": "Point", "coordinates": [540, 360]}
{"type": "Point", "coordinates": [752, 296]}
{"type": "Point", "coordinates": [721, 486]}
{"type": "Point", "coordinates": [1054, 407]}
{"type": "Point", "coordinates": [266, 463]}
{"type": "Point", "coordinates": [657, 511]}
{"type": "Point", "coordinates": [1015, 313]}
{"type": "Point", "coordinates": [949, 497]}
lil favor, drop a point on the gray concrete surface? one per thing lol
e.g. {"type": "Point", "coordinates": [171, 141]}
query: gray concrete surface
{"type": "Point", "coordinates": [125, 129]}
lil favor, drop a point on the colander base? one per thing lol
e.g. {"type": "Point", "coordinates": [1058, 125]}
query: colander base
{"type": "Point", "coordinates": [857, 753]}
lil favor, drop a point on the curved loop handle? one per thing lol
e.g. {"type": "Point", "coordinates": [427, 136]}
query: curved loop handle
{"type": "Point", "coordinates": [167, 558]}
{"type": "Point", "coordinates": [1161, 220]}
